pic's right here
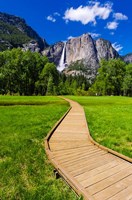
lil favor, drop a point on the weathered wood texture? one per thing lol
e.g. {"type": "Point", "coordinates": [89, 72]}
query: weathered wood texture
{"type": "Point", "coordinates": [90, 169]}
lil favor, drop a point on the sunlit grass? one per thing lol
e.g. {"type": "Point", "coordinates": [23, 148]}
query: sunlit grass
{"type": "Point", "coordinates": [25, 172]}
{"type": "Point", "coordinates": [110, 121]}
{"type": "Point", "coordinates": [29, 100]}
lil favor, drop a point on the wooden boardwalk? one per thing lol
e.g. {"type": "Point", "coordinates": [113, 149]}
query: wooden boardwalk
{"type": "Point", "coordinates": [89, 169]}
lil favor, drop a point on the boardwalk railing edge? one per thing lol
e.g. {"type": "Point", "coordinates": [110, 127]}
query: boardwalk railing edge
{"type": "Point", "coordinates": [47, 138]}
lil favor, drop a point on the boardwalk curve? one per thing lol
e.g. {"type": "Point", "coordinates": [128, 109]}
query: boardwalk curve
{"type": "Point", "coordinates": [91, 170]}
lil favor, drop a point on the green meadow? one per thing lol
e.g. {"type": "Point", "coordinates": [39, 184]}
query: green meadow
{"type": "Point", "coordinates": [109, 121]}
{"type": "Point", "coordinates": [25, 172]}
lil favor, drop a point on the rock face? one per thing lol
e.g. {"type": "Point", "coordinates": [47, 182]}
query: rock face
{"type": "Point", "coordinates": [54, 52]}
{"type": "Point", "coordinates": [128, 58]}
{"type": "Point", "coordinates": [82, 50]}
{"type": "Point", "coordinates": [14, 32]}
{"type": "Point", "coordinates": [105, 50]}
{"type": "Point", "coordinates": [33, 46]}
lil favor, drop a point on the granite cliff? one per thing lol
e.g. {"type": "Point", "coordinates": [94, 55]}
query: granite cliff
{"type": "Point", "coordinates": [83, 50]}
{"type": "Point", "coordinates": [128, 58]}
{"type": "Point", "coordinates": [54, 52]}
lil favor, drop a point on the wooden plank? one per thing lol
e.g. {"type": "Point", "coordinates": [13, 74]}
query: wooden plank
{"type": "Point", "coordinates": [70, 162]}
{"type": "Point", "coordinates": [75, 161]}
{"type": "Point", "coordinates": [55, 146]}
{"type": "Point", "coordinates": [74, 150]}
{"type": "Point", "coordinates": [71, 181]}
{"type": "Point", "coordinates": [100, 186]}
{"type": "Point", "coordinates": [103, 156]}
{"type": "Point", "coordinates": [72, 126]}
{"type": "Point", "coordinates": [72, 158]}
{"type": "Point", "coordinates": [69, 120]}
{"type": "Point", "coordinates": [77, 154]}
{"type": "Point", "coordinates": [114, 189]}
{"type": "Point", "coordinates": [78, 114]}
{"type": "Point", "coordinates": [91, 166]}
{"type": "Point", "coordinates": [72, 131]}
{"type": "Point", "coordinates": [97, 170]}
{"type": "Point", "coordinates": [75, 122]}
{"type": "Point", "coordinates": [69, 149]}
{"type": "Point", "coordinates": [125, 194]}
{"type": "Point", "coordinates": [69, 137]}
{"type": "Point", "coordinates": [97, 178]}
{"type": "Point", "coordinates": [70, 134]}
{"type": "Point", "coordinates": [75, 117]}
{"type": "Point", "coordinates": [66, 140]}
{"type": "Point", "coordinates": [69, 143]}
{"type": "Point", "coordinates": [64, 143]}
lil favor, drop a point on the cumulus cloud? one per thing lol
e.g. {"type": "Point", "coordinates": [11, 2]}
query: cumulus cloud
{"type": "Point", "coordinates": [87, 14]}
{"type": "Point", "coordinates": [53, 17]}
{"type": "Point", "coordinates": [120, 16]}
{"type": "Point", "coordinates": [117, 46]}
{"type": "Point", "coordinates": [56, 14]}
{"type": "Point", "coordinates": [94, 35]}
{"type": "Point", "coordinates": [112, 25]}
{"type": "Point", "coordinates": [50, 18]}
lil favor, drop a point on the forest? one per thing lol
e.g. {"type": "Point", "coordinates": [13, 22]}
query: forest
{"type": "Point", "coordinates": [30, 73]}
{"type": "Point", "coordinates": [114, 78]}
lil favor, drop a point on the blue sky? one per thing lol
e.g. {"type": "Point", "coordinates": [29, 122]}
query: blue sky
{"type": "Point", "coordinates": [57, 20]}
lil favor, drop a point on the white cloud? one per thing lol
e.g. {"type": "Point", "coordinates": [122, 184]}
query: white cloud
{"type": "Point", "coordinates": [94, 35]}
{"type": "Point", "coordinates": [112, 33]}
{"type": "Point", "coordinates": [50, 18]}
{"type": "Point", "coordinates": [56, 14]}
{"type": "Point", "coordinates": [89, 13]}
{"type": "Point", "coordinates": [117, 46]}
{"type": "Point", "coordinates": [112, 25]}
{"type": "Point", "coordinates": [120, 16]}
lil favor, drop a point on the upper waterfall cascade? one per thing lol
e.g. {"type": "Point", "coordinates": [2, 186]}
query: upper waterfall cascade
{"type": "Point", "coordinates": [61, 65]}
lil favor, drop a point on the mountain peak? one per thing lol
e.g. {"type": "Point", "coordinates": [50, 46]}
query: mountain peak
{"type": "Point", "coordinates": [128, 58]}
{"type": "Point", "coordinates": [14, 32]}
{"type": "Point", "coordinates": [84, 48]}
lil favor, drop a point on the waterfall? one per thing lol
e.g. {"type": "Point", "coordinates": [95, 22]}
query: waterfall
{"type": "Point", "coordinates": [61, 65]}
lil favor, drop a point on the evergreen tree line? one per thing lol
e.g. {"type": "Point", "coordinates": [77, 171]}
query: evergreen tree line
{"type": "Point", "coordinates": [114, 78]}
{"type": "Point", "coordinates": [27, 73]}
